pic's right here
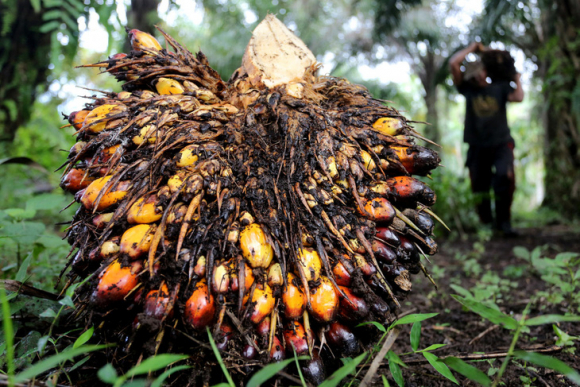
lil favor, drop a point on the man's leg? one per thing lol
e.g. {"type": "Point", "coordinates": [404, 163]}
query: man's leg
{"type": "Point", "coordinates": [479, 164]}
{"type": "Point", "coordinates": [504, 185]}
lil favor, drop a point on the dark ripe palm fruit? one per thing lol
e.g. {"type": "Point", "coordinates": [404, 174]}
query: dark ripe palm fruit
{"type": "Point", "coordinates": [342, 339]}
{"type": "Point", "coordinates": [200, 307]}
{"type": "Point", "coordinates": [324, 301]}
{"type": "Point", "coordinates": [314, 369]}
{"type": "Point", "coordinates": [352, 308]}
{"type": "Point", "coordinates": [295, 338]}
{"type": "Point", "coordinates": [293, 299]}
{"type": "Point", "coordinates": [273, 207]}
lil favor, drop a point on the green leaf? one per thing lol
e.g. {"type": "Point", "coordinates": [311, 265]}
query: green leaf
{"type": "Point", "coordinates": [415, 335]}
{"type": "Point", "coordinates": [51, 25]}
{"type": "Point", "coordinates": [51, 362]}
{"type": "Point", "coordinates": [395, 369]}
{"type": "Point", "coordinates": [343, 371]}
{"type": "Point", "coordinates": [35, 5]}
{"type": "Point", "coordinates": [46, 202]}
{"type": "Point", "coordinates": [108, 374]}
{"type": "Point", "coordinates": [380, 327]}
{"type": "Point", "coordinates": [23, 269]}
{"type": "Point", "coordinates": [462, 291]}
{"type": "Point", "coordinates": [488, 313]}
{"type": "Point", "coordinates": [20, 213]}
{"type": "Point", "coordinates": [67, 301]}
{"type": "Point", "coordinates": [439, 366]}
{"type": "Point", "coordinates": [159, 381]}
{"type": "Point", "coordinates": [154, 363]}
{"type": "Point", "coordinates": [49, 313]}
{"type": "Point", "coordinates": [564, 339]}
{"type": "Point", "coordinates": [412, 318]}
{"type": "Point", "coordinates": [433, 347]}
{"type": "Point", "coordinates": [86, 336]}
{"type": "Point", "coordinates": [550, 319]}
{"type": "Point", "coordinates": [267, 372]}
{"type": "Point", "coordinates": [467, 370]}
{"type": "Point", "coordinates": [551, 363]}
{"type": "Point", "coordinates": [522, 252]}
{"type": "Point", "coordinates": [392, 356]}
{"type": "Point", "coordinates": [385, 381]}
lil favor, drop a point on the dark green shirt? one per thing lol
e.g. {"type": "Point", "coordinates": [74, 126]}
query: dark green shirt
{"type": "Point", "coordinates": [485, 114]}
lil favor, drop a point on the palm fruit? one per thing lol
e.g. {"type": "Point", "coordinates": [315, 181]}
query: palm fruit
{"type": "Point", "coordinates": [276, 210]}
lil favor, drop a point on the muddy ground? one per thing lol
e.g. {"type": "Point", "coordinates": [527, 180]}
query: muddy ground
{"type": "Point", "coordinates": [465, 332]}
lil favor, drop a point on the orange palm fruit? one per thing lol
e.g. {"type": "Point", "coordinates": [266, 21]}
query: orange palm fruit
{"type": "Point", "coordinates": [310, 263]}
{"type": "Point", "coordinates": [255, 247]}
{"type": "Point", "coordinates": [77, 118]}
{"type": "Point", "coordinates": [156, 303]}
{"type": "Point", "coordinates": [168, 86]}
{"type": "Point", "coordinates": [417, 160]}
{"type": "Point", "coordinates": [293, 299]}
{"type": "Point", "coordinates": [200, 307]}
{"type": "Point", "coordinates": [101, 220]}
{"type": "Point", "coordinates": [143, 41]}
{"type": "Point", "coordinates": [295, 338]}
{"type": "Point", "coordinates": [341, 275]}
{"type": "Point", "coordinates": [110, 197]}
{"type": "Point", "coordinates": [342, 338]}
{"type": "Point", "coordinates": [324, 301]}
{"type": "Point", "coordinates": [390, 126]}
{"type": "Point", "coordinates": [408, 190]}
{"type": "Point", "coordinates": [96, 120]}
{"type": "Point", "coordinates": [221, 278]}
{"type": "Point", "coordinates": [277, 351]}
{"type": "Point", "coordinates": [378, 210]}
{"type": "Point", "coordinates": [116, 282]}
{"type": "Point", "coordinates": [263, 302]}
{"type": "Point", "coordinates": [354, 309]}
{"type": "Point", "coordinates": [75, 180]}
{"type": "Point", "coordinates": [145, 211]}
{"type": "Point", "coordinates": [136, 240]}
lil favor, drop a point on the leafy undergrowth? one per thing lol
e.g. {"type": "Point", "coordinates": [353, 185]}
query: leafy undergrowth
{"type": "Point", "coordinates": [505, 313]}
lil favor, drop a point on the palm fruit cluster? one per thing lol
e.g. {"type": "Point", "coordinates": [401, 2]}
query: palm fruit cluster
{"type": "Point", "coordinates": [276, 209]}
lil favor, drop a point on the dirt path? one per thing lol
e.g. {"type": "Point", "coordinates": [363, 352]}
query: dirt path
{"type": "Point", "coordinates": [489, 269]}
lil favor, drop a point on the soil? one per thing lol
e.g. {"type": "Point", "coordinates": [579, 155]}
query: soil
{"type": "Point", "coordinates": [465, 332]}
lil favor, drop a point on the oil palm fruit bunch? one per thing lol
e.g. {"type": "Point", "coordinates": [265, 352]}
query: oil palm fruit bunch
{"type": "Point", "coordinates": [276, 210]}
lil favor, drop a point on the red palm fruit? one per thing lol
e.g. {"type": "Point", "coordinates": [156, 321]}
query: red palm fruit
{"type": "Point", "coordinates": [136, 240]}
{"type": "Point", "coordinates": [417, 160]}
{"type": "Point", "coordinates": [249, 352]}
{"type": "Point", "coordinates": [75, 180]}
{"type": "Point", "coordinates": [383, 252]}
{"type": "Point", "coordinates": [277, 351]}
{"type": "Point", "coordinates": [263, 328]}
{"type": "Point", "coordinates": [115, 282]}
{"type": "Point", "coordinates": [367, 268]}
{"type": "Point", "coordinates": [295, 337]}
{"type": "Point", "coordinates": [156, 303]}
{"type": "Point", "coordinates": [341, 275]}
{"type": "Point", "coordinates": [145, 211]}
{"type": "Point", "coordinates": [324, 301]}
{"type": "Point", "coordinates": [388, 236]}
{"type": "Point", "coordinates": [354, 309]}
{"type": "Point", "coordinates": [112, 195]}
{"type": "Point", "coordinates": [342, 339]}
{"type": "Point", "coordinates": [293, 298]}
{"type": "Point", "coordinates": [77, 118]}
{"type": "Point", "coordinates": [378, 210]}
{"type": "Point", "coordinates": [224, 335]}
{"type": "Point", "coordinates": [263, 302]}
{"type": "Point", "coordinates": [407, 190]}
{"type": "Point", "coordinates": [200, 307]}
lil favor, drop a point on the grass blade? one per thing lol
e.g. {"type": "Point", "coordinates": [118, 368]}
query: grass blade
{"type": "Point", "coordinates": [415, 335]}
{"type": "Point", "coordinates": [159, 381]}
{"type": "Point", "coordinates": [219, 359]}
{"type": "Point", "coordinates": [8, 336]}
{"type": "Point", "coordinates": [551, 363]}
{"type": "Point", "coordinates": [269, 371]}
{"type": "Point", "coordinates": [412, 318]}
{"type": "Point", "coordinates": [439, 366]}
{"type": "Point", "coordinates": [467, 370]}
{"type": "Point", "coordinates": [154, 363]}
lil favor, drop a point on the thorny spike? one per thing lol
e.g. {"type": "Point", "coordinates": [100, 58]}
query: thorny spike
{"type": "Point", "coordinates": [424, 269]}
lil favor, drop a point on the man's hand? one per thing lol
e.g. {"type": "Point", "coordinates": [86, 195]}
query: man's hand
{"type": "Point", "coordinates": [518, 94]}
{"type": "Point", "coordinates": [458, 57]}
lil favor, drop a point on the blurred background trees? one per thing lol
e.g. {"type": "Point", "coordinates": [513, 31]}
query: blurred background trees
{"type": "Point", "coordinates": [397, 48]}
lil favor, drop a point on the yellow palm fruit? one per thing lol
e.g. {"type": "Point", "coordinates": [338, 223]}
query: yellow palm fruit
{"type": "Point", "coordinates": [186, 157]}
{"type": "Point", "coordinates": [275, 275]}
{"type": "Point", "coordinates": [176, 181]}
{"type": "Point", "coordinates": [110, 197]}
{"type": "Point", "coordinates": [136, 241]}
{"type": "Point", "coordinates": [146, 133]}
{"type": "Point", "coordinates": [143, 41]}
{"type": "Point", "coordinates": [388, 125]}
{"type": "Point", "coordinates": [200, 266]}
{"type": "Point", "coordinates": [332, 169]}
{"type": "Point", "coordinates": [109, 248]}
{"type": "Point", "coordinates": [221, 278]}
{"type": "Point", "coordinates": [167, 86]}
{"type": "Point", "coordinates": [255, 246]}
{"type": "Point", "coordinates": [96, 121]}
{"type": "Point", "coordinates": [310, 263]}
{"type": "Point", "coordinates": [145, 211]}
{"type": "Point", "coordinates": [368, 161]}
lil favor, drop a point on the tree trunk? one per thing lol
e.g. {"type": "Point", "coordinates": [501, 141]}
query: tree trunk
{"type": "Point", "coordinates": [432, 130]}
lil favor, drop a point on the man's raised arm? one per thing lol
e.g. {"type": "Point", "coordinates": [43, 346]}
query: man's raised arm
{"type": "Point", "coordinates": [458, 57]}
